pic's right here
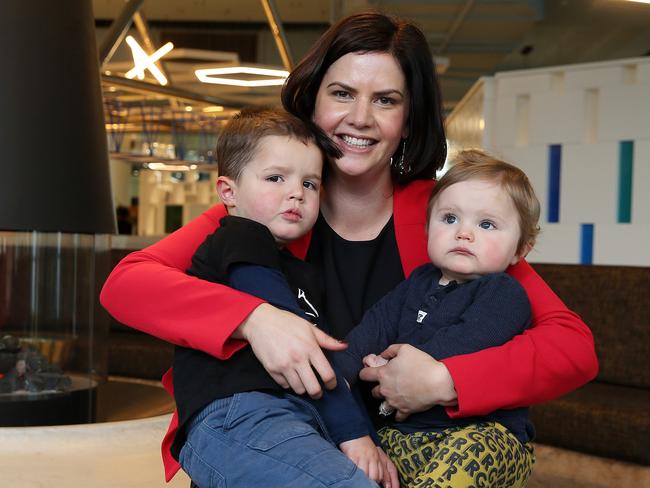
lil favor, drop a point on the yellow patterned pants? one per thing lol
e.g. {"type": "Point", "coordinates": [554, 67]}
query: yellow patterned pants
{"type": "Point", "coordinates": [473, 456]}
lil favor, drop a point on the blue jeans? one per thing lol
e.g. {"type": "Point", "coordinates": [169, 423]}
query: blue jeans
{"type": "Point", "coordinates": [258, 439]}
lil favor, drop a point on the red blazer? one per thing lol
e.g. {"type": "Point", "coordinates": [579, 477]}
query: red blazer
{"type": "Point", "coordinates": [149, 290]}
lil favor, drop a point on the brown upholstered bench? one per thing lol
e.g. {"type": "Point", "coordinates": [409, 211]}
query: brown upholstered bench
{"type": "Point", "coordinates": [611, 415]}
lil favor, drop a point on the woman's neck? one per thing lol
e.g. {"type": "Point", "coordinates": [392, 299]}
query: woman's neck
{"type": "Point", "coordinates": [358, 210]}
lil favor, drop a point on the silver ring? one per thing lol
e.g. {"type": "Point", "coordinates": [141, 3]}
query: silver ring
{"type": "Point", "coordinates": [385, 409]}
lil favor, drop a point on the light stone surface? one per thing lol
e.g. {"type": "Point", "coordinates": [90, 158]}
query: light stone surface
{"type": "Point", "coordinates": [111, 454]}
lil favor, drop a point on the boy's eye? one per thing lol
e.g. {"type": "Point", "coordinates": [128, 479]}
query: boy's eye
{"type": "Point", "coordinates": [309, 184]}
{"type": "Point", "coordinates": [274, 178]}
{"type": "Point", "coordinates": [486, 224]}
{"type": "Point", "coordinates": [450, 219]}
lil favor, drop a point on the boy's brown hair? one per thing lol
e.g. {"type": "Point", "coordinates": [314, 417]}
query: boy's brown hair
{"type": "Point", "coordinates": [240, 138]}
{"type": "Point", "coordinates": [473, 164]}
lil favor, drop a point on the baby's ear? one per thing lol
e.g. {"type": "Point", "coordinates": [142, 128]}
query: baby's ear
{"type": "Point", "coordinates": [227, 190]}
{"type": "Point", "coordinates": [524, 252]}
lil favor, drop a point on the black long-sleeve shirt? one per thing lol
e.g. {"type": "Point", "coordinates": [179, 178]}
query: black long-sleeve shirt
{"type": "Point", "coordinates": [200, 378]}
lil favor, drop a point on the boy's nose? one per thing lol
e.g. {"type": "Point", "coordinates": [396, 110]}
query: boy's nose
{"type": "Point", "coordinates": [297, 192]}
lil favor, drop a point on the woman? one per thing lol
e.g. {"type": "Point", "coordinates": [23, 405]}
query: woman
{"type": "Point", "coordinates": [370, 84]}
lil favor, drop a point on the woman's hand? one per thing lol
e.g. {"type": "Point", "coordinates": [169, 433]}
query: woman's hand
{"type": "Point", "coordinates": [365, 455]}
{"type": "Point", "coordinates": [411, 382]}
{"type": "Point", "coordinates": [289, 348]}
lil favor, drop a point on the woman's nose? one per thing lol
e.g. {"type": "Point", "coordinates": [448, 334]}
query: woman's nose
{"type": "Point", "coordinates": [360, 114]}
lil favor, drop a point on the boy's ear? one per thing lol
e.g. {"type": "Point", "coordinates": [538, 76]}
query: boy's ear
{"type": "Point", "coordinates": [227, 190]}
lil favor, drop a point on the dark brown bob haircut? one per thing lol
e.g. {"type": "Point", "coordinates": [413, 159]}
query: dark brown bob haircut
{"type": "Point", "coordinates": [473, 164]}
{"type": "Point", "coordinates": [372, 32]}
{"type": "Point", "coordinates": [240, 138]}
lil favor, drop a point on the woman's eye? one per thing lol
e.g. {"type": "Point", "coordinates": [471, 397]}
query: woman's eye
{"type": "Point", "coordinates": [341, 94]}
{"type": "Point", "coordinates": [450, 219]}
{"type": "Point", "coordinates": [310, 185]}
{"type": "Point", "coordinates": [274, 178]}
{"type": "Point", "coordinates": [486, 224]}
{"type": "Point", "coordinates": [386, 101]}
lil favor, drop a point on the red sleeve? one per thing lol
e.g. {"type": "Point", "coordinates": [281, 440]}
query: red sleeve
{"type": "Point", "coordinates": [150, 291]}
{"type": "Point", "coordinates": [553, 357]}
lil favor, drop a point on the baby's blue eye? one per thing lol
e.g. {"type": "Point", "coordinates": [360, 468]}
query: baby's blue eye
{"type": "Point", "coordinates": [310, 185]}
{"type": "Point", "coordinates": [486, 224]}
{"type": "Point", "coordinates": [450, 219]}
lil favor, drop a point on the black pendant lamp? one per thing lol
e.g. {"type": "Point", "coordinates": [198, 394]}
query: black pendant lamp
{"type": "Point", "coordinates": [53, 149]}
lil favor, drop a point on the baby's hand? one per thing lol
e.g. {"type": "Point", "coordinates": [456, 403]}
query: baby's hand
{"type": "Point", "coordinates": [374, 361]}
{"type": "Point", "coordinates": [364, 454]}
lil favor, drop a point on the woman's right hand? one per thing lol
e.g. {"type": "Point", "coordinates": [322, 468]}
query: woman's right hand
{"type": "Point", "coordinates": [289, 348]}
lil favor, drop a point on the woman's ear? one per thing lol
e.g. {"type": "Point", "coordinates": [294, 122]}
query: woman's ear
{"type": "Point", "coordinates": [227, 190]}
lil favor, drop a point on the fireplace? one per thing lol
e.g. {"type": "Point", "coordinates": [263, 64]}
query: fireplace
{"type": "Point", "coordinates": [52, 336]}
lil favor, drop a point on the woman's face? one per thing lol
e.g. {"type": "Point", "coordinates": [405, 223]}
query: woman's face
{"type": "Point", "coordinates": [362, 104]}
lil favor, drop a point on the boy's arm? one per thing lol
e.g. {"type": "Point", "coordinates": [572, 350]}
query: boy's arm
{"type": "Point", "coordinates": [343, 416]}
{"type": "Point", "coordinates": [499, 311]}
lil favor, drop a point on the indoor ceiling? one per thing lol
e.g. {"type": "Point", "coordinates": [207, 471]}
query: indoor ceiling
{"type": "Point", "coordinates": [472, 38]}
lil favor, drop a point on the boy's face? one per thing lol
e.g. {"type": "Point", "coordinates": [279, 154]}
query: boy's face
{"type": "Point", "coordinates": [473, 230]}
{"type": "Point", "coordinates": [279, 187]}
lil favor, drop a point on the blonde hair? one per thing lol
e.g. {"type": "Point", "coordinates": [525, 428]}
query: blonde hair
{"type": "Point", "coordinates": [474, 164]}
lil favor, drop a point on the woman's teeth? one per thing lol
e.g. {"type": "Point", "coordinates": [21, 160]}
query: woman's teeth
{"type": "Point", "coordinates": [354, 141]}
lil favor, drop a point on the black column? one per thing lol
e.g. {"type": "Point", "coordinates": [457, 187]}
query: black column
{"type": "Point", "coordinates": [53, 151]}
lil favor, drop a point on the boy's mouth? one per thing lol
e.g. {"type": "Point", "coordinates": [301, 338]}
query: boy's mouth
{"type": "Point", "coordinates": [292, 215]}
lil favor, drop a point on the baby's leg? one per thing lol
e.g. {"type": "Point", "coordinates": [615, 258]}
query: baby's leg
{"type": "Point", "coordinates": [258, 439]}
{"type": "Point", "coordinates": [484, 454]}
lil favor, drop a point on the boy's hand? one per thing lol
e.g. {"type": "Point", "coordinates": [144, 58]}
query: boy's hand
{"type": "Point", "coordinates": [365, 455]}
{"type": "Point", "coordinates": [391, 478]}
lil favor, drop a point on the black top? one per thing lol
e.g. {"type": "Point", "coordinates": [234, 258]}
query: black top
{"type": "Point", "coordinates": [443, 321]}
{"type": "Point", "coordinates": [356, 273]}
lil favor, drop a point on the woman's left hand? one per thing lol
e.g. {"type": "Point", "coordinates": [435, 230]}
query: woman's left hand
{"type": "Point", "coordinates": [411, 382]}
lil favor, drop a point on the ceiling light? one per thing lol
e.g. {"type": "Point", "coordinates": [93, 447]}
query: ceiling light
{"type": "Point", "coordinates": [208, 76]}
{"type": "Point", "coordinates": [213, 108]}
{"type": "Point", "coordinates": [142, 61]}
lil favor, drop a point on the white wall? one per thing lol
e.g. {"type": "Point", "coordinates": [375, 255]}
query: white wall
{"type": "Point", "coordinates": [587, 109]}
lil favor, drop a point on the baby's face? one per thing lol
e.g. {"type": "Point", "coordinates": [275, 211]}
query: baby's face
{"type": "Point", "coordinates": [473, 230]}
{"type": "Point", "coordinates": [280, 187]}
